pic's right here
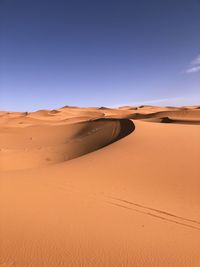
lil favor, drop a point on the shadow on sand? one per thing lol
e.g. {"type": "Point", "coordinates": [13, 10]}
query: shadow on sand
{"type": "Point", "coordinates": [126, 128]}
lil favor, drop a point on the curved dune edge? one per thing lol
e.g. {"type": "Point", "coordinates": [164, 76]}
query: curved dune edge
{"type": "Point", "coordinates": [173, 120]}
{"type": "Point", "coordinates": [34, 147]}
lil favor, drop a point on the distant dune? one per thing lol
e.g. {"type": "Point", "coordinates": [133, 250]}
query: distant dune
{"type": "Point", "coordinates": [105, 187]}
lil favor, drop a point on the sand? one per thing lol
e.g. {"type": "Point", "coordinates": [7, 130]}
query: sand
{"type": "Point", "coordinates": [100, 187]}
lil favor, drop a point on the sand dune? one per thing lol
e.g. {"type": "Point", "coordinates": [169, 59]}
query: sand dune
{"type": "Point", "coordinates": [37, 146]}
{"type": "Point", "coordinates": [90, 187]}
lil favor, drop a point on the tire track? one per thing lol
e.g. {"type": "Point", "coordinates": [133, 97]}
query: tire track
{"type": "Point", "coordinates": [160, 214]}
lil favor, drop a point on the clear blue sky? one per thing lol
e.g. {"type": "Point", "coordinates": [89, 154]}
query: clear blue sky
{"type": "Point", "coordinates": [98, 53]}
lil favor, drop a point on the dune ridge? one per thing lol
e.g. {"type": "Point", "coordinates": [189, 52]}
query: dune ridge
{"type": "Point", "coordinates": [37, 146]}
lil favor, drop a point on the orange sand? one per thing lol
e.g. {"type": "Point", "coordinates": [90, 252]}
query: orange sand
{"type": "Point", "coordinates": [133, 201]}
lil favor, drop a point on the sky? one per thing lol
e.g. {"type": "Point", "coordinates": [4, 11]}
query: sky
{"type": "Point", "coordinates": [98, 53]}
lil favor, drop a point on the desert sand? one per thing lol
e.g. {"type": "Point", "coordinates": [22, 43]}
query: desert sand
{"type": "Point", "coordinates": [106, 187]}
